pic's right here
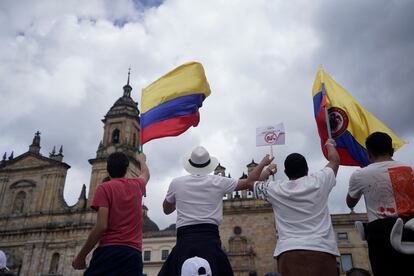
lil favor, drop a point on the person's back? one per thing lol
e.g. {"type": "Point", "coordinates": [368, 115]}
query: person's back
{"type": "Point", "coordinates": [198, 199]}
{"type": "Point", "coordinates": [388, 189]}
{"type": "Point", "coordinates": [301, 212]}
{"type": "Point", "coordinates": [118, 228]}
{"type": "Point", "coordinates": [306, 242]}
{"type": "Point", "coordinates": [123, 197]}
{"type": "Point", "coordinates": [385, 188]}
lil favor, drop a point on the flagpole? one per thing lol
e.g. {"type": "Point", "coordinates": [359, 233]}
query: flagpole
{"type": "Point", "coordinates": [271, 155]}
{"type": "Point", "coordinates": [328, 124]}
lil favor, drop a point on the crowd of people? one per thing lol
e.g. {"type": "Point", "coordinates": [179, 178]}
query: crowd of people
{"type": "Point", "coordinates": [306, 243]}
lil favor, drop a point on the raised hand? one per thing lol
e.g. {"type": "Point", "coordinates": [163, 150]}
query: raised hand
{"type": "Point", "coordinates": [266, 160]}
{"type": "Point", "coordinates": [142, 158]}
{"type": "Point", "coordinates": [330, 142]}
{"type": "Point", "coordinates": [272, 168]}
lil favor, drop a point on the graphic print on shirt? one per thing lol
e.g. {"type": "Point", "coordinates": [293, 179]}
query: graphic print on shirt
{"type": "Point", "coordinates": [402, 180]}
{"type": "Point", "coordinates": [260, 190]}
{"type": "Point", "coordinates": [381, 193]}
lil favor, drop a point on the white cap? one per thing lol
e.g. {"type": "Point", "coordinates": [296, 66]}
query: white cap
{"type": "Point", "coordinates": [3, 260]}
{"type": "Point", "coordinates": [196, 266]}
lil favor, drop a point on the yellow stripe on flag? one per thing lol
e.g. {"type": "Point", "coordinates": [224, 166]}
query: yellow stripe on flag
{"type": "Point", "coordinates": [361, 122]}
{"type": "Point", "coordinates": [186, 79]}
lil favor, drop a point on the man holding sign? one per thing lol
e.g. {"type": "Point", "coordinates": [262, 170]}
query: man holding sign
{"type": "Point", "coordinates": [306, 244]}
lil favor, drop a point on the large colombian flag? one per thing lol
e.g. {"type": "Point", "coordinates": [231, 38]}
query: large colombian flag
{"type": "Point", "coordinates": [350, 122]}
{"type": "Point", "coordinates": [170, 105]}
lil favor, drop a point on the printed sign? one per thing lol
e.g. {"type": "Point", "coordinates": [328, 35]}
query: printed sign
{"type": "Point", "coordinates": [270, 135]}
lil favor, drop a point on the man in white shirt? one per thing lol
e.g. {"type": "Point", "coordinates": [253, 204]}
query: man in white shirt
{"type": "Point", "coordinates": [388, 189]}
{"type": "Point", "coordinates": [198, 199]}
{"type": "Point", "coordinates": [306, 242]}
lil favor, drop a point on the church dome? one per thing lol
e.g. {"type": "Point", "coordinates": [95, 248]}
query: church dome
{"type": "Point", "coordinates": [125, 105]}
{"type": "Point", "coordinates": [147, 224]}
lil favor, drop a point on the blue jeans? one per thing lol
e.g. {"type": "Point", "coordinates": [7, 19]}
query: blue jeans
{"type": "Point", "coordinates": [115, 260]}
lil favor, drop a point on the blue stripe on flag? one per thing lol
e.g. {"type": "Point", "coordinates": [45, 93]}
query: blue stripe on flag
{"type": "Point", "coordinates": [355, 150]}
{"type": "Point", "coordinates": [180, 106]}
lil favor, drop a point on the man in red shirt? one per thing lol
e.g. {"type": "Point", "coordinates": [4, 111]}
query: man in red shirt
{"type": "Point", "coordinates": [118, 228]}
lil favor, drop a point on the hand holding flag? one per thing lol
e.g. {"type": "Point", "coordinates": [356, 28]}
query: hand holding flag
{"type": "Point", "coordinates": [349, 122]}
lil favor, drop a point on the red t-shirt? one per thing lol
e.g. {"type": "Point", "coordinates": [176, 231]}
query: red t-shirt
{"type": "Point", "coordinates": [123, 198]}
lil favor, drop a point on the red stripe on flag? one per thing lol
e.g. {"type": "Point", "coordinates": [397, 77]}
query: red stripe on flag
{"type": "Point", "coordinates": [171, 127]}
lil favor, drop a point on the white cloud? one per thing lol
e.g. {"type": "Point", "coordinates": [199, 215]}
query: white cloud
{"type": "Point", "coordinates": [64, 65]}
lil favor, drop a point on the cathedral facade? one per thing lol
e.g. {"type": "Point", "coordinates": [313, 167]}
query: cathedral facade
{"type": "Point", "coordinates": [40, 233]}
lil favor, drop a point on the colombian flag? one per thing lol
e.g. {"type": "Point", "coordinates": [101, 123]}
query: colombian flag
{"type": "Point", "coordinates": [350, 122]}
{"type": "Point", "coordinates": [170, 104]}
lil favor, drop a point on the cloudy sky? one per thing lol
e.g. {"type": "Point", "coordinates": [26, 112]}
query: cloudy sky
{"type": "Point", "coordinates": [63, 65]}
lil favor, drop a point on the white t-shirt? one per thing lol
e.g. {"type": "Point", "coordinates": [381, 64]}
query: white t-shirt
{"type": "Point", "coordinates": [301, 211]}
{"type": "Point", "coordinates": [199, 198]}
{"type": "Point", "coordinates": [388, 189]}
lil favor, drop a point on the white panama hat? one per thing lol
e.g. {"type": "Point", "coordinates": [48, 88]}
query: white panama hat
{"type": "Point", "coordinates": [199, 161]}
{"type": "Point", "coordinates": [194, 267]}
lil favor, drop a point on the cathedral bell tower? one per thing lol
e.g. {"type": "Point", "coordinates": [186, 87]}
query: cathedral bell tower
{"type": "Point", "coordinates": [121, 134]}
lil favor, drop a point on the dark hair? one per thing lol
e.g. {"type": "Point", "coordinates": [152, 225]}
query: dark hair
{"type": "Point", "coordinates": [117, 164]}
{"type": "Point", "coordinates": [295, 166]}
{"type": "Point", "coordinates": [357, 272]}
{"type": "Point", "coordinates": [379, 143]}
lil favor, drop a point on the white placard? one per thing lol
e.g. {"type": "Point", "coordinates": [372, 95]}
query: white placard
{"type": "Point", "coordinates": [270, 135]}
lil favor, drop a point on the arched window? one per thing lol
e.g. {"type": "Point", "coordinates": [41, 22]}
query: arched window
{"type": "Point", "coordinates": [18, 205]}
{"type": "Point", "coordinates": [54, 264]}
{"type": "Point", "coordinates": [115, 136]}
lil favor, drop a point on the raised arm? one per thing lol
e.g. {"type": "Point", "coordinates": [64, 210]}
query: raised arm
{"type": "Point", "coordinates": [333, 156]}
{"type": "Point", "coordinates": [142, 159]}
{"type": "Point", "coordinates": [354, 190]}
{"type": "Point", "coordinates": [255, 174]}
{"type": "Point", "coordinates": [270, 170]}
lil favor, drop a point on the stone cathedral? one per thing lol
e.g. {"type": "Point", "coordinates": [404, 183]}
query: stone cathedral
{"type": "Point", "coordinates": [40, 233]}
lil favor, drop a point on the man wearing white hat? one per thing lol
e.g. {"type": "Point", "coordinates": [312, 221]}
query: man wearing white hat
{"type": "Point", "coordinates": [198, 199]}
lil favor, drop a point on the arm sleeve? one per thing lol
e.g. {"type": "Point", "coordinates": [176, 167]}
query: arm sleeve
{"type": "Point", "coordinates": [228, 184]}
{"type": "Point", "coordinates": [100, 199]}
{"type": "Point", "coordinates": [325, 178]}
{"type": "Point", "coordinates": [170, 197]}
{"type": "Point", "coordinates": [142, 183]}
{"type": "Point", "coordinates": [329, 177]}
{"type": "Point", "coordinates": [355, 187]}
{"type": "Point", "coordinates": [260, 190]}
